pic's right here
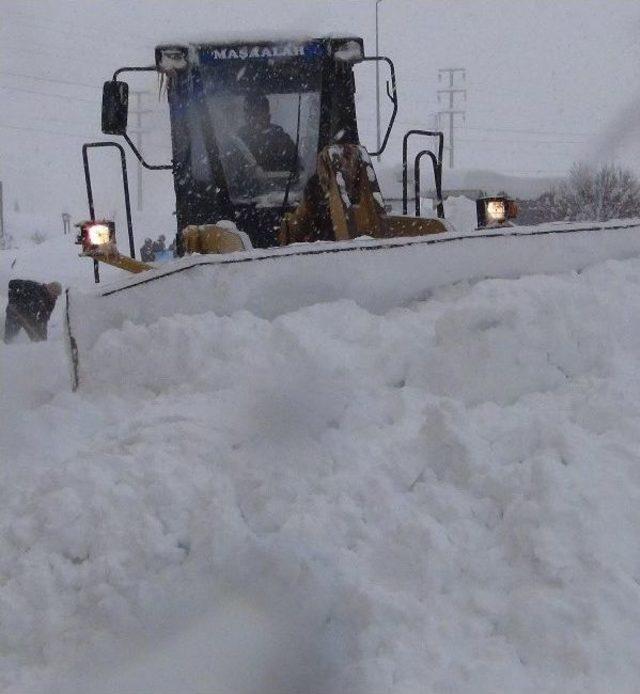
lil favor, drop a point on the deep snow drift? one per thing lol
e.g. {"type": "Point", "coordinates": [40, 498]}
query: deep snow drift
{"type": "Point", "coordinates": [443, 497]}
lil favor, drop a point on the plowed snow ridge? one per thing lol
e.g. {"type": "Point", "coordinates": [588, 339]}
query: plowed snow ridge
{"type": "Point", "coordinates": [441, 498]}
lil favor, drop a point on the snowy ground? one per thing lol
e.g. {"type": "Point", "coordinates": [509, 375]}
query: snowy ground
{"type": "Point", "coordinates": [444, 497]}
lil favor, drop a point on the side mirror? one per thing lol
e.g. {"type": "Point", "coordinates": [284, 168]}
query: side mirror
{"type": "Point", "coordinates": [115, 107]}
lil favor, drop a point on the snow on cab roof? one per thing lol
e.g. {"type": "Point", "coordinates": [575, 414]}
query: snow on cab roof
{"type": "Point", "coordinates": [242, 39]}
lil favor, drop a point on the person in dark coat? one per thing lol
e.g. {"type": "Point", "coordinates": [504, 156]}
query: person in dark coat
{"type": "Point", "coordinates": [146, 251]}
{"type": "Point", "coordinates": [269, 144]}
{"type": "Point", "coordinates": [29, 308]}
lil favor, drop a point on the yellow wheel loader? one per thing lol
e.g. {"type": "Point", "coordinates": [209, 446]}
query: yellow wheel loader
{"type": "Point", "coordinates": [264, 136]}
{"type": "Point", "coordinates": [278, 203]}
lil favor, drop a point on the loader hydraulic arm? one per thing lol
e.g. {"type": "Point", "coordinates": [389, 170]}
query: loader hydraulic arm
{"type": "Point", "coordinates": [343, 201]}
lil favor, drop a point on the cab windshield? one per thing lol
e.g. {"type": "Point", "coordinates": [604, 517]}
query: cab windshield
{"type": "Point", "coordinates": [266, 143]}
{"type": "Point", "coordinates": [264, 117]}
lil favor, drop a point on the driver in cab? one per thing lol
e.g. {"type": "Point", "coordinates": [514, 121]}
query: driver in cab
{"type": "Point", "coordinates": [269, 144]}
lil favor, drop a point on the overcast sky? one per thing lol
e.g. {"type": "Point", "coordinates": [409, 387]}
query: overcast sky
{"type": "Point", "coordinates": [549, 81]}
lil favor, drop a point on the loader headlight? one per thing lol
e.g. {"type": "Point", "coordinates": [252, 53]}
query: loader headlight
{"type": "Point", "coordinates": [495, 211]}
{"type": "Point", "coordinates": [95, 234]}
{"type": "Point", "coordinates": [98, 234]}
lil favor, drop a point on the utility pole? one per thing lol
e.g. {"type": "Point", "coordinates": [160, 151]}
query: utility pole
{"type": "Point", "coordinates": [377, 80]}
{"type": "Point", "coordinates": [139, 133]}
{"type": "Point", "coordinates": [2, 238]}
{"type": "Point", "coordinates": [66, 223]}
{"type": "Point", "coordinates": [452, 112]}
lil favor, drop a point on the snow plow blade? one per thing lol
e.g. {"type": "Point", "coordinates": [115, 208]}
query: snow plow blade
{"type": "Point", "coordinates": [377, 274]}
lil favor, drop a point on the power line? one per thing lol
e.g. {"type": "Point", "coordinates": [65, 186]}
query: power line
{"type": "Point", "coordinates": [89, 121]}
{"type": "Point", "coordinates": [523, 142]}
{"type": "Point", "coordinates": [527, 132]}
{"type": "Point", "coordinates": [76, 35]}
{"type": "Point", "coordinates": [93, 102]}
{"type": "Point", "coordinates": [49, 54]}
{"type": "Point", "coordinates": [43, 130]}
{"type": "Point", "coordinates": [50, 79]}
{"type": "Point", "coordinates": [515, 131]}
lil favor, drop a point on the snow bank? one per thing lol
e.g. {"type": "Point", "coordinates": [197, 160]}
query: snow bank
{"type": "Point", "coordinates": [460, 211]}
{"type": "Point", "coordinates": [441, 496]}
{"type": "Point", "coordinates": [376, 274]}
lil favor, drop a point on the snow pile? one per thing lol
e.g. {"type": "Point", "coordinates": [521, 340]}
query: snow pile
{"type": "Point", "coordinates": [460, 211]}
{"type": "Point", "coordinates": [442, 496]}
{"type": "Point", "coordinates": [377, 274]}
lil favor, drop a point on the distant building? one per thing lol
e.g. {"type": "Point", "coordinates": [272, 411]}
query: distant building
{"type": "Point", "coordinates": [528, 191]}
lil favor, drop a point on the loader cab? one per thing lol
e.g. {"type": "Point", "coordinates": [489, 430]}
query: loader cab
{"type": "Point", "coordinates": [247, 123]}
{"type": "Point", "coordinates": [256, 128]}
